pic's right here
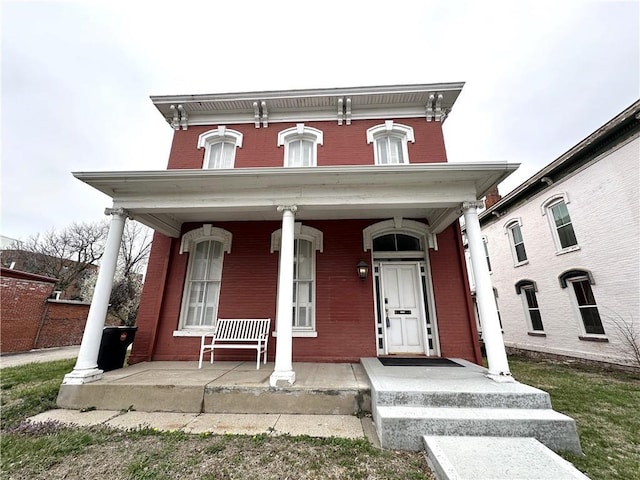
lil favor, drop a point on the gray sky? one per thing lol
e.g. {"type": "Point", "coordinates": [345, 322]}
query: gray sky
{"type": "Point", "coordinates": [77, 76]}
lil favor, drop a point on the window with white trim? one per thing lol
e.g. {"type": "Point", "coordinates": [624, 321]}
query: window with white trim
{"type": "Point", "coordinates": [307, 241]}
{"type": "Point", "coordinates": [584, 300]}
{"type": "Point", "coordinates": [300, 145]}
{"type": "Point", "coordinates": [390, 142]}
{"type": "Point", "coordinates": [531, 307]}
{"type": "Point", "coordinates": [206, 247]}
{"type": "Point", "coordinates": [485, 241]}
{"type": "Point", "coordinates": [220, 147]}
{"type": "Point", "coordinates": [560, 222]}
{"type": "Point", "coordinates": [513, 230]}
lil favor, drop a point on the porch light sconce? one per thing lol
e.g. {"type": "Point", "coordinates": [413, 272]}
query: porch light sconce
{"type": "Point", "coordinates": [363, 269]}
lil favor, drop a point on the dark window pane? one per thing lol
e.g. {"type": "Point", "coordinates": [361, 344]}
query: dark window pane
{"type": "Point", "coordinates": [560, 214]}
{"type": "Point", "coordinates": [521, 254]}
{"type": "Point", "coordinates": [567, 236]}
{"type": "Point", "coordinates": [536, 319]}
{"type": "Point", "coordinates": [579, 289]}
{"type": "Point", "coordinates": [532, 301]}
{"type": "Point", "coordinates": [407, 243]}
{"type": "Point", "coordinates": [385, 243]}
{"type": "Point", "coordinates": [591, 319]}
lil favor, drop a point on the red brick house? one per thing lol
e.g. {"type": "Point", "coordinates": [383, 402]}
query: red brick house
{"type": "Point", "coordinates": [269, 203]}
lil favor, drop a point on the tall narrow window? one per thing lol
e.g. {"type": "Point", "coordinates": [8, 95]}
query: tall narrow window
{"type": "Point", "coordinates": [308, 240]}
{"type": "Point", "coordinates": [220, 147]}
{"type": "Point", "coordinates": [532, 309]}
{"type": "Point", "coordinates": [203, 288]}
{"type": "Point", "coordinates": [206, 247]}
{"type": "Point", "coordinates": [390, 143]}
{"type": "Point", "coordinates": [486, 252]}
{"type": "Point", "coordinates": [516, 242]}
{"type": "Point", "coordinates": [303, 275]}
{"type": "Point", "coordinates": [580, 282]}
{"type": "Point", "coordinates": [587, 306]}
{"type": "Point", "coordinates": [561, 225]}
{"type": "Point", "coordinates": [300, 145]}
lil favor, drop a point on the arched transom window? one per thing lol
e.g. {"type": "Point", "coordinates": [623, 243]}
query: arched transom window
{"type": "Point", "coordinates": [220, 147]}
{"type": "Point", "coordinates": [300, 145]}
{"type": "Point", "coordinates": [390, 142]}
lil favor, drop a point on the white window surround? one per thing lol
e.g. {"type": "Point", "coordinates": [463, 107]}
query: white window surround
{"type": "Point", "coordinates": [578, 308]}
{"type": "Point", "coordinates": [220, 135]}
{"type": "Point", "coordinates": [297, 133]}
{"type": "Point", "coordinates": [189, 240]}
{"type": "Point", "coordinates": [388, 130]}
{"type": "Point", "coordinates": [527, 290]}
{"type": "Point", "coordinates": [509, 230]}
{"type": "Point", "coordinates": [399, 225]}
{"type": "Point", "coordinates": [546, 207]}
{"type": "Point", "coordinates": [485, 244]}
{"type": "Point", "coordinates": [315, 237]}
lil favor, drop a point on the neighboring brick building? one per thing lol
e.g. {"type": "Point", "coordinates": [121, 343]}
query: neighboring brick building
{"type": "Point", "coordinates": [564, 249]}
{"type": "Point", "coordinates": [30, 319]}
{"type": "Point", "coordinates": [272, 199]}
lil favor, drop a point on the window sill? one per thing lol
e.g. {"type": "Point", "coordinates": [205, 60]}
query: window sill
{"type": "Point", "coordinates": [568, 250]}
{"type": "Point", "coordinates": [301, 334]}
{"type": "Point", "coordinates": [519, 264]}
{"type": "Point", "coordinates": [537, 334]}
{"type": "Point", "coordinates": [191, 333]}
{"type": "Point", "coordinates": [589, 338]}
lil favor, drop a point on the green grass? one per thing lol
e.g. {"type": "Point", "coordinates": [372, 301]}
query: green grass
{"type": "Point", "coordinates": [30, 389]}
{"type": "Point", "coordinates": [605, 406]}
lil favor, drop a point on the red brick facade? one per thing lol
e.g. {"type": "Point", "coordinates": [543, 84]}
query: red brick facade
{"type": "Point", "coordinates": [344, 304]}
{"type": "Point", "coordinates": [31, 320]}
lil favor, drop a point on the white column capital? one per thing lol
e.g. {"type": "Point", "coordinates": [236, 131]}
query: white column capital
{"type": "Point", "coordinates": [289, 208]}
{"type": "Point", "coordinates": [475, 205]}
{"type": "Point", "coordinates": [121, 212]}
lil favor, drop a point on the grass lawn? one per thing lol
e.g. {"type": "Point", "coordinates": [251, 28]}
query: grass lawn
{"type": "Point", "coordinates": [606, 408]}
{"type": "Point", "coordinates": [604, 404]}
{"type": "Point", "coordinates": [51, 451]}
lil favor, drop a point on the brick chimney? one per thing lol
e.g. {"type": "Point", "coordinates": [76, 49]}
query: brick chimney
{"type": "Point", "coordinates": [492, 197]}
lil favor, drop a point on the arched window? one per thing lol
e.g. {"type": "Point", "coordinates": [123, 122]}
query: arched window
{"type": "Point", "coordinates": [390, 143]}
{"type": "Point", "coordinates": [560, 222]}
{"type": "Point", "coordinates": [531, 308]}
{"type": "Point", "coordinates": [513, 230]}
{"type": "Point", "coordinates": [579, 283]}
{"type": "Point", "coordinates": [206, 247]}
{"type": "Point", "coordinates": [300, 145]}
{"type": "Point", "coordinates": [220, 147]}
{"type": "Point", "coordinates": [396, 242]}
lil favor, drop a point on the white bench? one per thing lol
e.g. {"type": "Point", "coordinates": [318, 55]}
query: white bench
{"type": "Point", "coordinates": [237, 333]}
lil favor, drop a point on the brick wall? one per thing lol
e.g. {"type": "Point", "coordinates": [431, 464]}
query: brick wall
{"type": "Point", "coordinates": [63, 324]}
{"type": "Point", "coordinates": [342, 144]}
{"type": "Point", "coordinates": [345, 317]}
{"type": "Point", "coordinates": [31, 320]}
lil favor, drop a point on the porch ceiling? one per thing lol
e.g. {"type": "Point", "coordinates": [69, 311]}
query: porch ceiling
{"type": "Point", "coordinates": [164, 200]}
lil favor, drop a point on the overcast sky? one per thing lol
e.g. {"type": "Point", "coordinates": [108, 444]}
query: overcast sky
{"type": "Point", "coordinates": [77, 76]}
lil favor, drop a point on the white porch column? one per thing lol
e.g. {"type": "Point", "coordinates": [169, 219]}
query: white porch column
{"type": "Point", "coordinates": [491, 331]}
{"type": "Point", "coordinates": [86, 369]}
{"type": "Point", "coordinates": [284, 311]}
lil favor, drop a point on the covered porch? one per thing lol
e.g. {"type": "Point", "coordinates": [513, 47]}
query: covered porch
{"type": "Point", "coordinates": [436, 194]}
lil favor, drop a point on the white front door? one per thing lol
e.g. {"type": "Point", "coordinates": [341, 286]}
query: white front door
{"type": "Point", "coordinates": [403, 307]}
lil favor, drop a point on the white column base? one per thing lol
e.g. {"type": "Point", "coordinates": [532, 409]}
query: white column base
{"type": "Point", "coordinates": [289, 377]}
{"type": "Point", "coordinates": [80, 377]}
{"type": "Point", "coordinates": [501, 378]}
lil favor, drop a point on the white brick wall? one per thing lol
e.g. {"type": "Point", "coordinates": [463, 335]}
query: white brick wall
{"type": "Point", "coordinates": [604, 204]}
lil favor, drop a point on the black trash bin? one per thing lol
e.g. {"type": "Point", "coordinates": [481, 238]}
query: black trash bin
{"type": "Point", "coordinates": [113, 348]}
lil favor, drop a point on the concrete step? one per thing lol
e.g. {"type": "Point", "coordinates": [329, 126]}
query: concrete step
{"type": "Point", "coordinates": [495, 458]}
{"type": "Point", "coordinates": [402, 428]}
{"type": "Point", "coordinates": [528, 398]}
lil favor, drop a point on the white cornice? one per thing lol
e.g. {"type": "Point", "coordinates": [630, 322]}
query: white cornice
{"type": "Point", "coordinates": [431, 101]}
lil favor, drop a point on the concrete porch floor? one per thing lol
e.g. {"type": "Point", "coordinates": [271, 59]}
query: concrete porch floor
{"type": "Point", "coordinates": [225, 388]}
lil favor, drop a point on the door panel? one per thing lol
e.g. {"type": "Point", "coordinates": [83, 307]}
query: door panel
{"type": "Point", "coordinates": [403, 307]}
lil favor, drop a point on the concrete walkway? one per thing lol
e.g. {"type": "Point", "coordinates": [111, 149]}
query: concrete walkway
{"type": "Point", "coordinates": [343, 426]}
{"type": "Point", "coordinates": [37, 356]}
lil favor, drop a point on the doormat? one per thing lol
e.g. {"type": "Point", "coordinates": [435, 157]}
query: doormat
{"type": "Point", "coordinates": [417, 362]}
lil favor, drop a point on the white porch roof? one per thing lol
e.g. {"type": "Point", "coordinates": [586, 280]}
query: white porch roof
{"type": "Point", "coordinates": [165, 199]}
